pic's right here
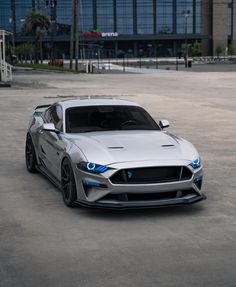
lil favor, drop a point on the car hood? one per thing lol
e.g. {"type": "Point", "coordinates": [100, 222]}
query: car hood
{"type": "Point", "coordinates": [125, 146]}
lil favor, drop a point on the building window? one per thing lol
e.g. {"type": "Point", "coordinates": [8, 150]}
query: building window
{"type": "Point", "coordinates": [105, 15]}
{"type": "Point", "coordinates": [145, 17]}
{"type": "Point", "coordinates": [5, 15]}
{"type": "Point", "coordinates": [198, 9]}
{"type": "Point", "coordinates": [184, 16]}
{"type": "Point", "coordinates": [64, 17]}
{"type": "Point", "coordinates": [124, 12]}
{"type": "Point", "coordinates": [164, 16]}
{"type": "Point", "coordinates": [22, 8]}
{"type": "Point", "coordinates": [86, 16]}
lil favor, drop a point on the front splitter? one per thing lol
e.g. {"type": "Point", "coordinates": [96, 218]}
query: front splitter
{"type": "Point", "coordinates": [142, 205]}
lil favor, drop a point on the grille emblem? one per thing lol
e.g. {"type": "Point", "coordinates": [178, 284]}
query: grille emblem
{"type": "Point", "coordinates": [129, 174]}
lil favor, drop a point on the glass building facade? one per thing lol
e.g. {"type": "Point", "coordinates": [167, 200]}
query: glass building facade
{"type": "Point", "coordinates": [145, 25]}
{"type": "Point", "coordinates": [124, 17]}
{"type": "Point", "coordinates": [165, 17]}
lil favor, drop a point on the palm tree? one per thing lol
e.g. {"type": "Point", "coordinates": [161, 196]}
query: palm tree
{"type": "Point", "coordinates": [37, 25]}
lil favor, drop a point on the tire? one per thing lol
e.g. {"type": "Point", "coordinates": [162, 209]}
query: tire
{"type": "Point", "coordinates": [68, 185]}
{"type": "Point", "coordinates": [30, 156]}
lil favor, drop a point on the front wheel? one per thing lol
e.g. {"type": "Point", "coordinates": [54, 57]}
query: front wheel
{"type": "Point", "coordinates": [30, 156]}
{"type": "Point", "coordinates": [68, 184]}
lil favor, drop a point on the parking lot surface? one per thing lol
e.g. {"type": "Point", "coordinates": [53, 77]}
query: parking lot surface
{"type": "Point", "coordinates": [44, 243]}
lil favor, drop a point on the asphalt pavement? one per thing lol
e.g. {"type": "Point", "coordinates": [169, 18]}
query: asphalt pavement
{"type": "Point", "coordinates": [44, 243]}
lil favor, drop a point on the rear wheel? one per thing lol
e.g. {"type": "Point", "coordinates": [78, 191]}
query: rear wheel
{"type": "Point", "coordinates": [30, 156]}
{"type": "Point", "coordinates": [68, 184]}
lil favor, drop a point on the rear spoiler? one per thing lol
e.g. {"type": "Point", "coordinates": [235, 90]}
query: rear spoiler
{"type": "Point", "coordinates": [42, 106]}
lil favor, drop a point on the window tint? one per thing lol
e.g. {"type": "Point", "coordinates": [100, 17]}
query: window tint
{"type": "Point", "coordinates": [105, 118]}
{"type": "Point", "coordinates": [54, 115]}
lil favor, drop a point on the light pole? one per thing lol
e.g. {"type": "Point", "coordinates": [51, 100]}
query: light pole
{"type": "Point", "coordinates": [53, 4]}
{"type": "Point", "coordinates": [53, 17]}
{"type": "Point", "coordinates": [186, 14]}
{"type": "Point", "coordinates": [149, 50]}
{"type": "Point", "coordinates": [156, 57]}
{"type": "Point", "coordinates": [12, 21]}
{"type": "Point", "coordinates": [74, 33]}
{"type": "Point", "coordinates": [76, 17]}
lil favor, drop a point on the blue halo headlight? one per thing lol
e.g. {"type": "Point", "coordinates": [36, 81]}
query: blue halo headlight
{"type": "Point", "coordinates": [196, 163]}
{"type": "Point", "coordinates": [92, 167]}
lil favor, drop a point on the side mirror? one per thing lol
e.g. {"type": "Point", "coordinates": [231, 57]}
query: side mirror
{"type": "Point", "coordinates": [164, 124]}
{"type": "Point", "coordinates": [50, 127]}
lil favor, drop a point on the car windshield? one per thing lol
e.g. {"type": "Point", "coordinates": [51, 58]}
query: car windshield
{"type": "Point", "coordinates": [106, 118]}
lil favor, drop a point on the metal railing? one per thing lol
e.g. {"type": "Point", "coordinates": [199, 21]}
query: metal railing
{"type": "Point", "coordinates": [5, 68]}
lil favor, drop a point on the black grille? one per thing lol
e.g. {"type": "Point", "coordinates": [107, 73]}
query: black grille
{"type": "Point", "coordinates": [127, 197]}
{"type": "Point", "coordinates": [151, 175]}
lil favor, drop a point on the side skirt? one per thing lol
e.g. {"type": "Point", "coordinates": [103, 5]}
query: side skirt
{"type": "Point", "coordinates": [49, 176]}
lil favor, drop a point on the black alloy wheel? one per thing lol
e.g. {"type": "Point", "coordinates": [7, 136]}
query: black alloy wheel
{"type": "Point", "coordinates": [30, 157]}
{"type": "Point", "coordinates": [68, 184]}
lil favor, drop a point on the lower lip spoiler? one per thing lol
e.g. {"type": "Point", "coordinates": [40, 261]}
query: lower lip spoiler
{"type": "Point", "coordinates": [142, 205]}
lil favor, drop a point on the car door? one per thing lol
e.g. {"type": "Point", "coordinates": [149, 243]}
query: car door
{"type": "Point", "coordinates": [51, 144]}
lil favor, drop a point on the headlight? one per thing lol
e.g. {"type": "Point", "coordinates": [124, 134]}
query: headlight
{"type": "Point", "coordinates": [196, 163]}
{"type": "Point", "coordinates": [92, 167]}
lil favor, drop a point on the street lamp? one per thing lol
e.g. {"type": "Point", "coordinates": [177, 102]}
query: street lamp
{"type": "Point", "coordinates": [53, 16]}
{"type": "Point", "coordinates": [53, 5]}
{"type": "Point", "coordinates": [74, 33]}
{"type": "Point", "coordinates": [186, 14]}
{"type": "Point", "coordinates": [12, 21]}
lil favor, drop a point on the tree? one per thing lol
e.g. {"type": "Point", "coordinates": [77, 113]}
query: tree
{"type": "Point", "coordinates": [19, 52]}
{"type": "Point", "coordinates": [9, 50]}
{"type": "Point", "coordinates": [196, 49]}
{"type": "Point", "coordinates": [219, 50]}
{"type": "Point", "coordinates": [184, 48]}
{"type": "Point", "coordinates": [37, 25]}
{"type": "Point", "coordinates": [231, 50]}
{"type": "Point", "coordinates": [25, 51]}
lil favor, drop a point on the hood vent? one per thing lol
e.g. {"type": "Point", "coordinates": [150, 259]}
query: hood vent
{"type": "Point", "coordinates": [167, 145]}
{"type": "Point", "coordinates": [115, 147]}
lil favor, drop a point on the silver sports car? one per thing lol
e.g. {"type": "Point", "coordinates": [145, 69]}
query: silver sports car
{"type": "Point", "coordinates": [111, 153]}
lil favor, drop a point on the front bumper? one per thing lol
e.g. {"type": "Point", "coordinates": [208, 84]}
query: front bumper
{"type": "Point", "coordinates": [97, 190]}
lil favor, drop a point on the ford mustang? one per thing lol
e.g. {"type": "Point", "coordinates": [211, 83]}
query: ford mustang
{"type": "Point", "coordinates": [110, 153]}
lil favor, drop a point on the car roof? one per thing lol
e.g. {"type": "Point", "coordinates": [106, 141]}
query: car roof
{"type": "Point", "coordinates": [95, 101]}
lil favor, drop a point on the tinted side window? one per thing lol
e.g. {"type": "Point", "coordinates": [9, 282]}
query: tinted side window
{"type": "Point", "coordinates": [54, 115]}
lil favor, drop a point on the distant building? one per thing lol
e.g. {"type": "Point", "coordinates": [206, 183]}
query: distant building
{"type": "Point", "coordinates": [132, 27]}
